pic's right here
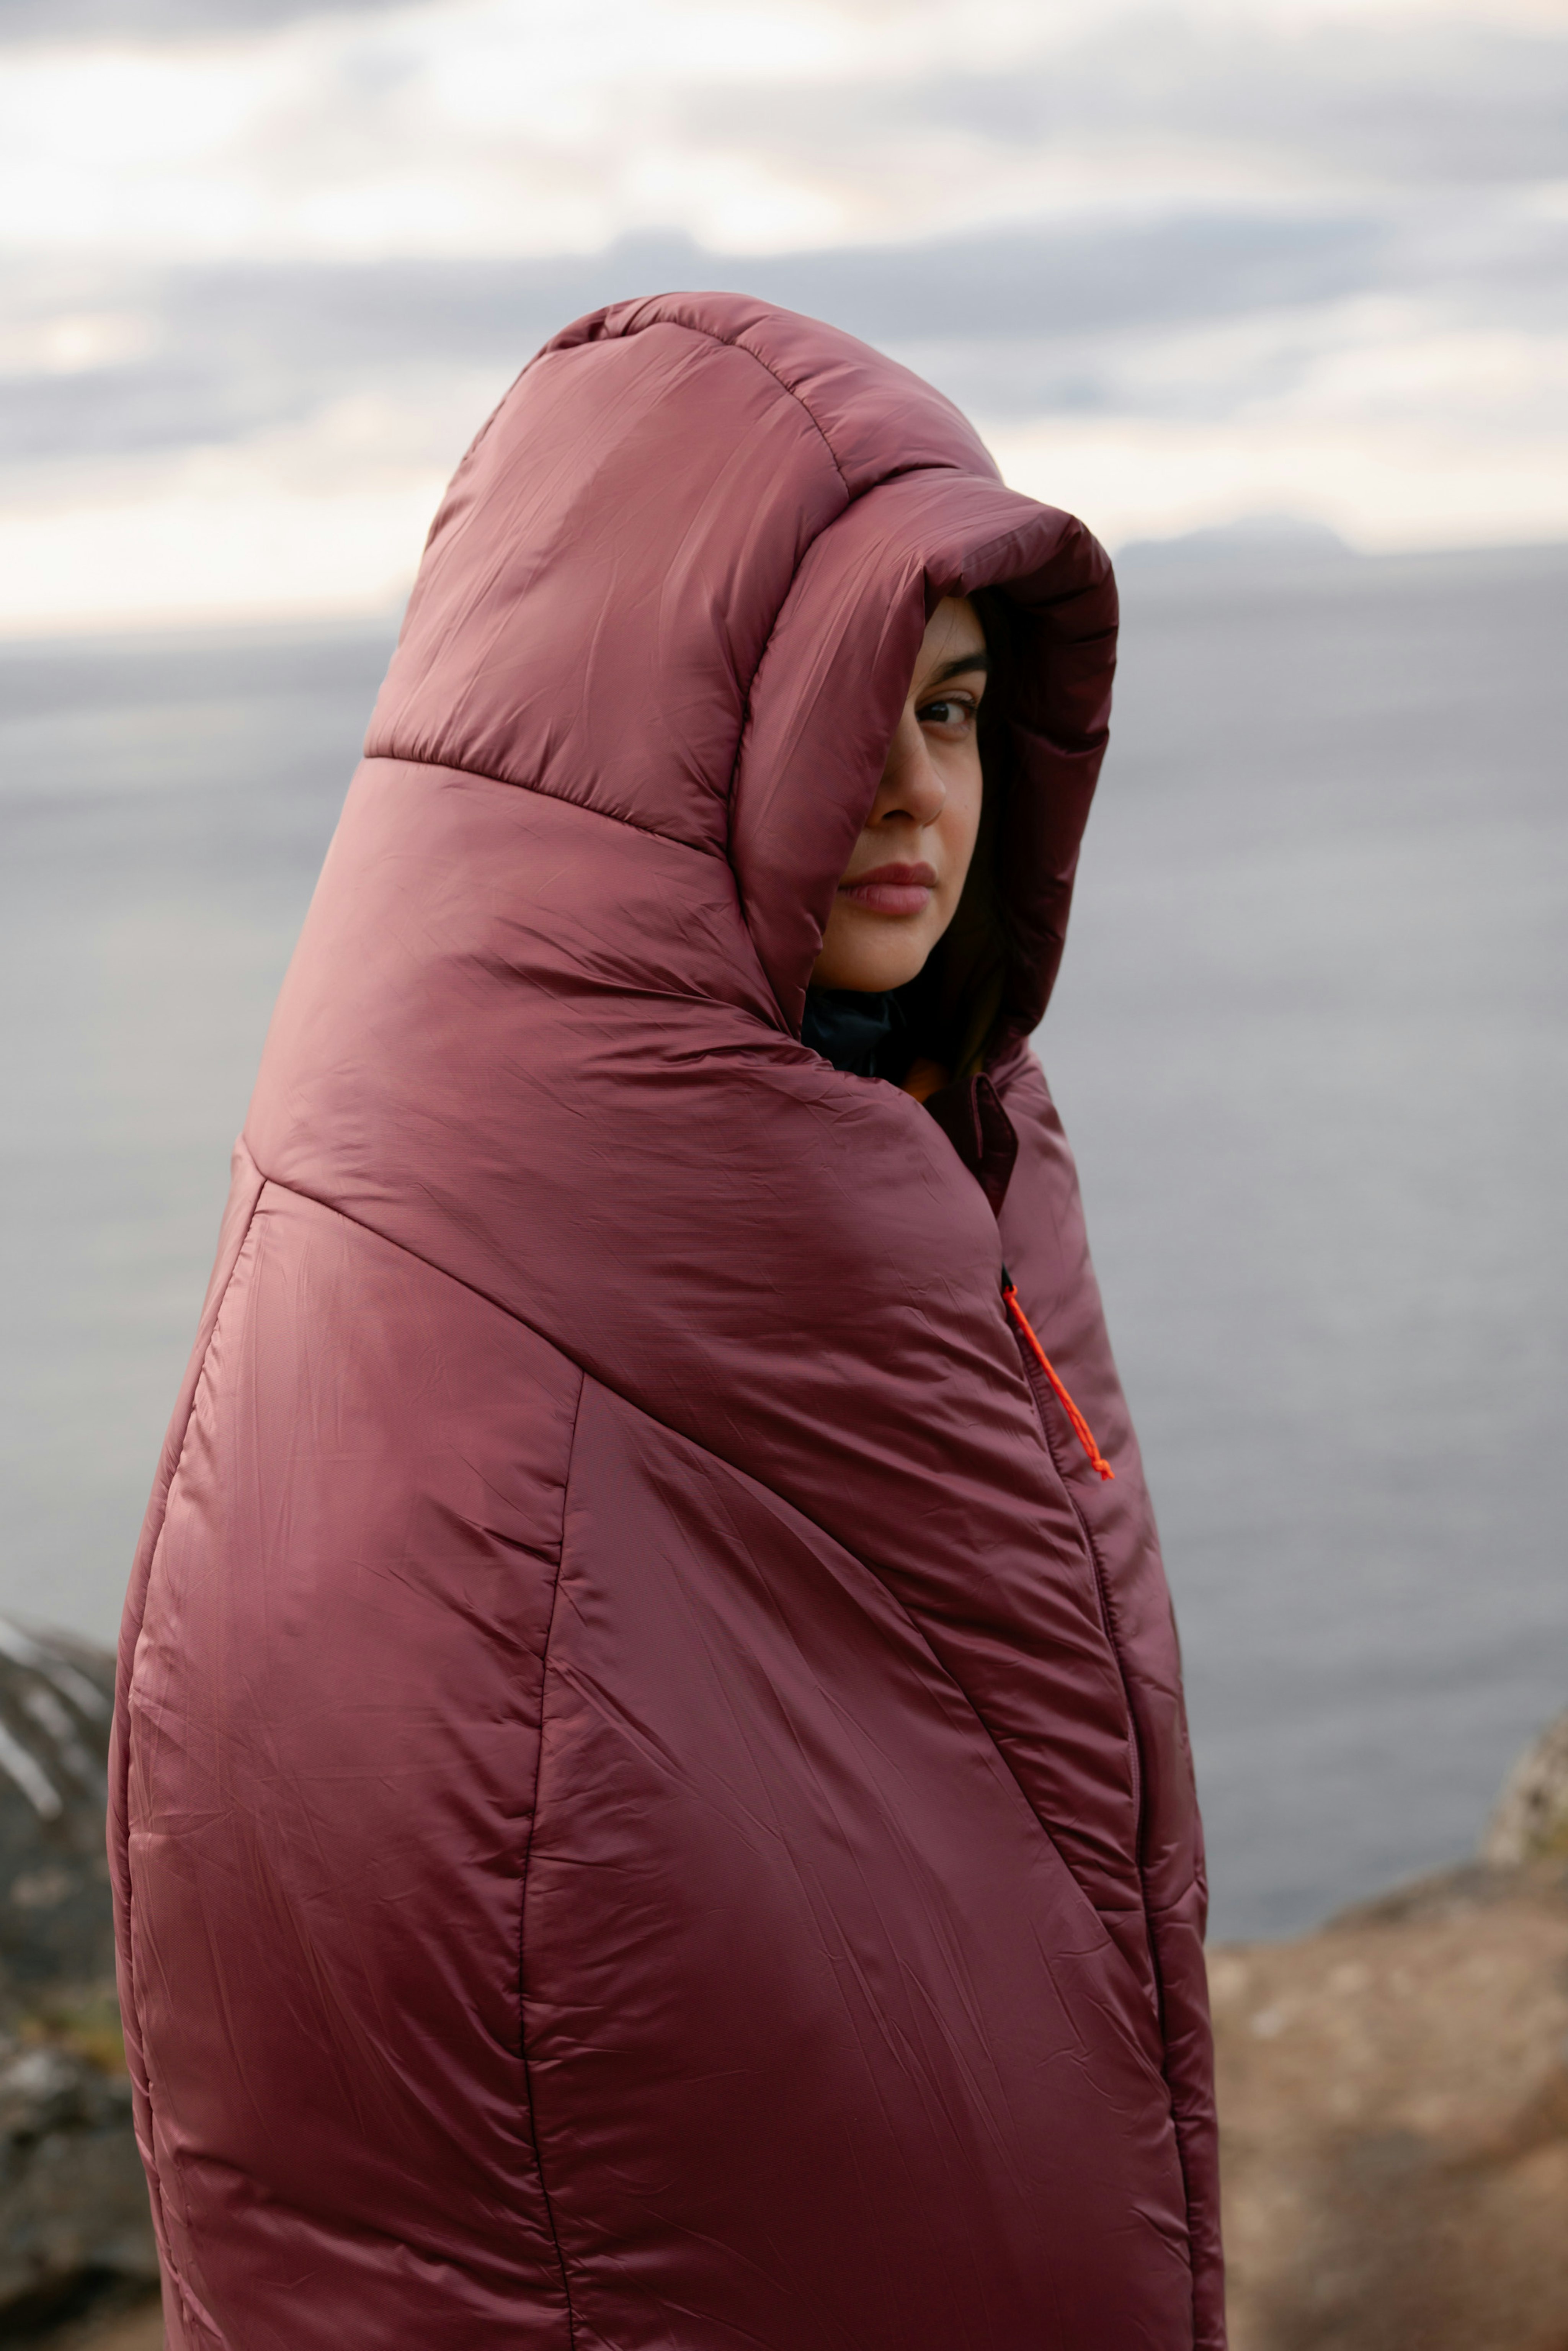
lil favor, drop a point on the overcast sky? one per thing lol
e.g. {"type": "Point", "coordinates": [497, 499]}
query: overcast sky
{"type": "Point", "coordinates": [265, 267]}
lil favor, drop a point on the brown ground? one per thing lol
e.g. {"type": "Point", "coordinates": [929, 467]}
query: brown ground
{"type": "Point", "coordinates": [1394, 2096]}
{"type": "Point", "coordinates": [140, 2329]}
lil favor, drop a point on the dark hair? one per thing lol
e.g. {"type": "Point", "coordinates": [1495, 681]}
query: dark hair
{"type": "Point", "coordinates": [951, 1007]}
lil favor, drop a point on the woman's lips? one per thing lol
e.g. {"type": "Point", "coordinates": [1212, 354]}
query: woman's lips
{"type": "Point", "coordinates": [892, 889]}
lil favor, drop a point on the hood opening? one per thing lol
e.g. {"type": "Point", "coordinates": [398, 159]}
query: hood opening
{"type": "Point", "coordinates": [952, 1012]}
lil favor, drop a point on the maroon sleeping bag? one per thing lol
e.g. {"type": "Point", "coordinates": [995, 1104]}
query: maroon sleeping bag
{"type": "Point", "coordinates": [651, 1809]}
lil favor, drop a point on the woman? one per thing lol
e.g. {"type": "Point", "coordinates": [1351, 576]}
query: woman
{"type": "Point", "coordinates": [652, 1806]}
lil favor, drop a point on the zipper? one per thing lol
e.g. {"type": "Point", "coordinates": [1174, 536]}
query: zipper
{"type": "Point", "coordinates": [1081, 1428]}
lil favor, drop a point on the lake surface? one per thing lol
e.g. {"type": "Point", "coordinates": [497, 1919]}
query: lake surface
{"type": "Point", "coordinates": [1309, 1043]}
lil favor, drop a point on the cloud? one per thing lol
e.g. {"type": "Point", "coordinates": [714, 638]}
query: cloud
{"type": "Point", "coordinates": [508, 127]}
{"type": "Point", "coordinates": [1383, 104]}
{"type": "Point", "coordinates": [56, 21]}
{"type": "Point", "coordinates": [1178, 261]}
{"type": "Point", "coordinates": [211, 354]}
{"type": "Point", "coordinates": [214, 543]}
{"type": "Point", "coordinates": [1177, 315]}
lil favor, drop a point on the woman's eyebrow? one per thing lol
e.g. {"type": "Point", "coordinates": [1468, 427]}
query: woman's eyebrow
{"type": "Point", "coordinates": [966, 662]}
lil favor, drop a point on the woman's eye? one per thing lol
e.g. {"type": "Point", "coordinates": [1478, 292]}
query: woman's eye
{"type": "Point", "coordinates": [951, 710]}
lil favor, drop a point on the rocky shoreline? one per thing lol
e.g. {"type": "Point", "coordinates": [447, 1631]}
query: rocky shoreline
{"type": "Point", "coordinates": [74, 2227]}
{"type": "Point", "coordinates": [1393, 2098]}
{"type": "Point", "coordinates": [1393, 2087]}
{"type": "Point", "coordinates": [1394, 2105]}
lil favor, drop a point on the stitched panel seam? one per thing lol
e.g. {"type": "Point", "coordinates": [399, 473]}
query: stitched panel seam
{"type": "Point", "coordinates": [523, 1894]}
{"type": "Point", "coordinates": [801, 402]}
{"type": "Point", "coordinates": [542, 792]}
{"type": "Point", "coordinates": [154, 2183]}
{"type": "Point", "coordinates": [732, 343]}
{"type": "Point", "coordinates": [1178, 2118]}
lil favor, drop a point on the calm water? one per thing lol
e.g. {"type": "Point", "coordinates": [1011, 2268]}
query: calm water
{"type": "Point", "coordinates": [1309, 1043]}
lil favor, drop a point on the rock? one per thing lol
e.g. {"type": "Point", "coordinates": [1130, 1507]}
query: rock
{"type": "Point", "coordinates": [73, 2202]}
{"type": "Point", "coordinates": [1394, 2111]}
{"type": "Point", "coordinates": [1530, 1823]}
{"type": "Point", "coordinates": [57, 1696]}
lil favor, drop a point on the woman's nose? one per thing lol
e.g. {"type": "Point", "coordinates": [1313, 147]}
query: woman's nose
{"type": "Point", "coordinates": [910, 784]}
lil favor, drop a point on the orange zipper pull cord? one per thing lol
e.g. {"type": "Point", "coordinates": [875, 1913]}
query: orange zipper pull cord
{"type": "Point", "coordinates": [1081, 1428]}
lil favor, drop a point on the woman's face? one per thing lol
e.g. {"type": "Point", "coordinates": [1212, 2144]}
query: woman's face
{"type": "Point", "coordinates": [900, 889]}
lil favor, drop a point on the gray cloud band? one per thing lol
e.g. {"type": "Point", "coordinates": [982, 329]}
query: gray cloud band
{"type": "Point", "coordinates": [153, 20]}
{"type": "Point", "coordinates": [1064, 319]}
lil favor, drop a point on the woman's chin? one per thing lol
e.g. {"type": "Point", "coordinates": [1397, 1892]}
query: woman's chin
{"type": "Point", "coordinates": [872, 973]}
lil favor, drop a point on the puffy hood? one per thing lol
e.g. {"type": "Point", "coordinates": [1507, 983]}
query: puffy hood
{"type": "Point", "coordinates": [680, 578]}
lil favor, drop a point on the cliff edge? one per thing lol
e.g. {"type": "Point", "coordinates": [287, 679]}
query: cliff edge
{"type": "Point", "coordinates": [1394, 2105]}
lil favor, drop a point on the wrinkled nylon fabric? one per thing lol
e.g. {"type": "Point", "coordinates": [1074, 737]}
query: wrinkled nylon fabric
{"type": "Point", "coordinates": [651, 1804]}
